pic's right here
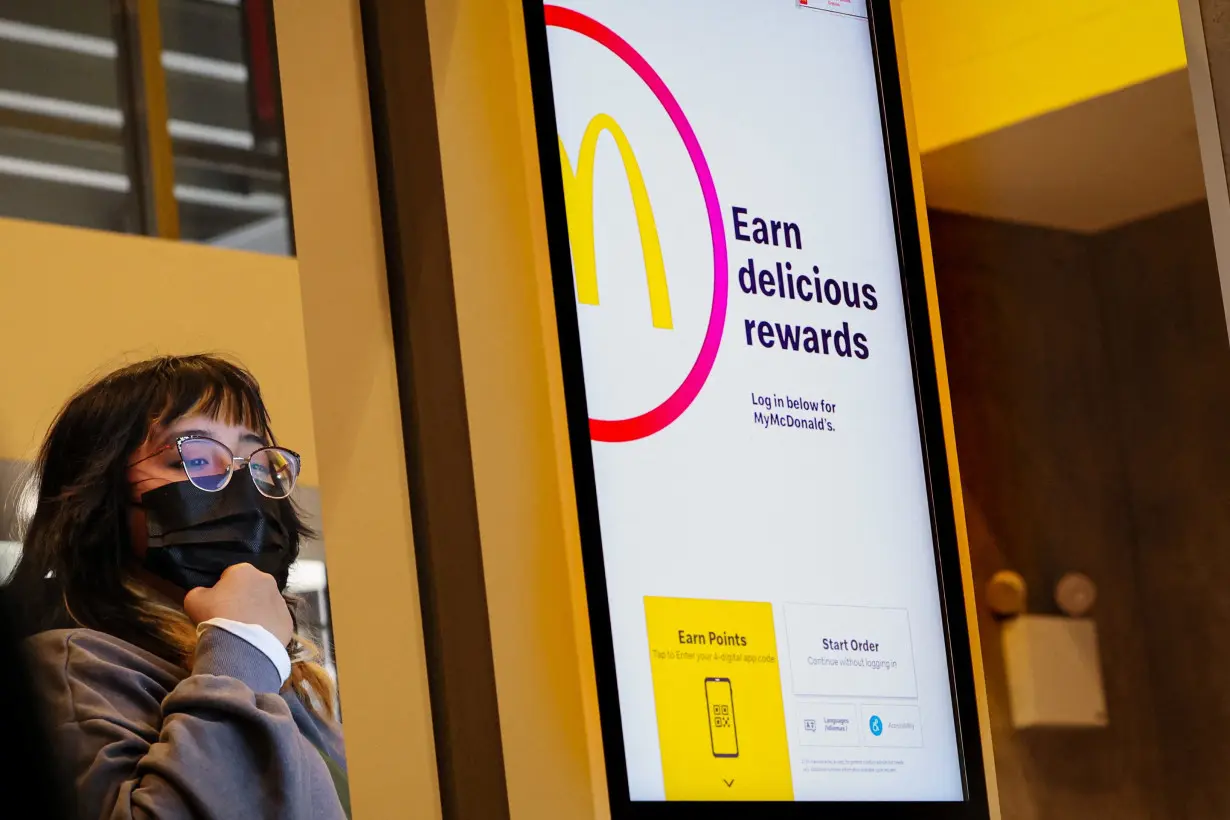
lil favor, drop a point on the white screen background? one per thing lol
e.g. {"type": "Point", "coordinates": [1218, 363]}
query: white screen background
{"type": "Point", "coordinates": [784, 103]}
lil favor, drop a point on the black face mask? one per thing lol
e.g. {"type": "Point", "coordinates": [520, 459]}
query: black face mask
{"type": "Point", "coordinates": [194, 536]}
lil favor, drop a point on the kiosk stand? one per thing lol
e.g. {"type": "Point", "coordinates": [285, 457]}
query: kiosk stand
{"type": "Point", "coordinates": [770, 539]}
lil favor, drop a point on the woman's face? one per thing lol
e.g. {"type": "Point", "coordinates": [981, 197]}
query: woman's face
{"type": "Point", "coordinates": [156, 463]}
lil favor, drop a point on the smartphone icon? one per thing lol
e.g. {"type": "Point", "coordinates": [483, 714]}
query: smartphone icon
{"type": "Point", "coordinates": [720, 698]}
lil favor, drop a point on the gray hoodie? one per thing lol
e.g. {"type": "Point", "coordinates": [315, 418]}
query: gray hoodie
{"type": "Point", "coordinates": [141, 738]}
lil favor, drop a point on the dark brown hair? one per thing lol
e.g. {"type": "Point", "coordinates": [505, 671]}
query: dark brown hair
{"type": "Point", "coordinates": [76, 564]}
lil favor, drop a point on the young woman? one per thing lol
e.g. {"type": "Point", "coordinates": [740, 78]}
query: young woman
{"type": "Point", "coordinates": [152, 576]}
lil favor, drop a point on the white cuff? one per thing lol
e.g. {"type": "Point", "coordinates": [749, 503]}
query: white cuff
{"type": "Point", "coordinates": [259, 637]}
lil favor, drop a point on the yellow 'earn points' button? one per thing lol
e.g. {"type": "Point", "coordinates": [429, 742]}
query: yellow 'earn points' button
{"type": "Point", "coordinates": [718, 696]}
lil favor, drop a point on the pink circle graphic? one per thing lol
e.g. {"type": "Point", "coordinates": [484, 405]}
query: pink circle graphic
{"type": "Point", "coordinates": [648, 423]}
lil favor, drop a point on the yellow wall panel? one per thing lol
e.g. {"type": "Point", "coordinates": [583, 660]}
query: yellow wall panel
{"type": "Point", "coordinates": [905, 63]}
{"type": "Point", "coordinates": [980, 65]}
{"type": "Point", "coordinates": [364, 492]}
{"type": "Point", "coordinates": [77, 303]}
{"type": "Point", "coordinates": [514, 394]}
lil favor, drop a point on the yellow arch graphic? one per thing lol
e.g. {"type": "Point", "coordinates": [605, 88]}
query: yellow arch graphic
{"type": "Point", "coordinates": [579, 203]}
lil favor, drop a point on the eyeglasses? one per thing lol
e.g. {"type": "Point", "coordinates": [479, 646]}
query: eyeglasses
{"type": "Point", "coordinates": [210, 465]}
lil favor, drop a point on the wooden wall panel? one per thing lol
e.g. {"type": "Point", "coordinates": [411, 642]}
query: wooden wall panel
{"type": "Point", "coordinates": [1158, 283]}
{"type": "Point", "coordinates": [1045, 492]}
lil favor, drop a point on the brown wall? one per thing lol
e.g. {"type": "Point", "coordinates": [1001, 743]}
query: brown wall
{"type": "Point", "coordinates": [1170, 365]}
{"type": "Point", "coordinates": [1044, 495]}
{"type": "Point", "coordinates": [1090, 379]}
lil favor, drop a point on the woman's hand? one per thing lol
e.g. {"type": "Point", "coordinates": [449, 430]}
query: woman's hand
{"type": "Point", "coordinates": [243, 594]}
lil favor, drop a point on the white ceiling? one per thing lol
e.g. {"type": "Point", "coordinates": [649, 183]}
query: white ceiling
{"type": "Point", "coordinates": [1088, 167]}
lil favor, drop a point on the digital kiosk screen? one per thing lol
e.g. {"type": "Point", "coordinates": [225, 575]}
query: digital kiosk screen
{"type": "Point", "coordinates": [766, 519]}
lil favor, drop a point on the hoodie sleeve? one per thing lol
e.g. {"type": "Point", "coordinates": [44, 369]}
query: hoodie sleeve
{"type": "Point", "coordinates": [142, 741]}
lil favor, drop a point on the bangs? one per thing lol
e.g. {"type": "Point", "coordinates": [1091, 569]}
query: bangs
{"type": "Point", "coordinates": [214, 388]}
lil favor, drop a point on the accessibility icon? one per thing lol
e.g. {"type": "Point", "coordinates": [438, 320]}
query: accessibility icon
{"type": "Point", "coordinates": [877, 725]}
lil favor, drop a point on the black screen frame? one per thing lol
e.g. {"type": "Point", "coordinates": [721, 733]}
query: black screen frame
{"type": "Point", "coordinates": [975, 805]}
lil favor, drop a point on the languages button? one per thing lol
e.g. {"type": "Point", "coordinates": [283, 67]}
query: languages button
{"type": "Point", "coordinates": [827, 724]}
